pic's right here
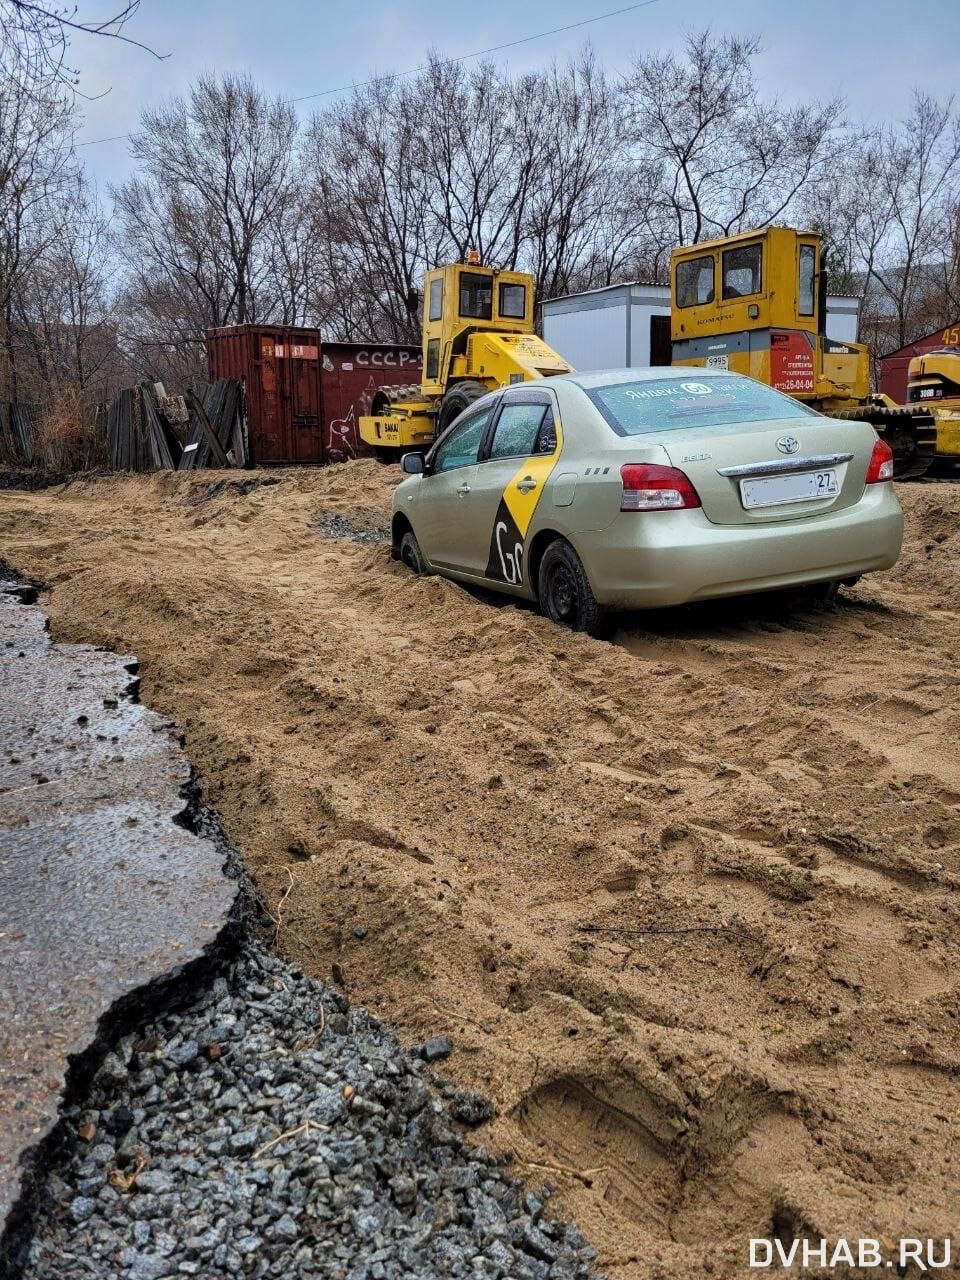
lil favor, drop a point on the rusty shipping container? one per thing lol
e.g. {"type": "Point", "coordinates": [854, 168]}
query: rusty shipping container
{"type": "Point", "coordinates": [303, 396]}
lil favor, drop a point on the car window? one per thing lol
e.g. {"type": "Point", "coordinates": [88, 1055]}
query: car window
{"type": "Point", "coordinates": [547, 435]}
{"type": "Point", "coordinates": [517, 429]}
{"type": "Point", "coordinates": [460, 447]}
{"type": "Point", "coordinates": [670, 404]}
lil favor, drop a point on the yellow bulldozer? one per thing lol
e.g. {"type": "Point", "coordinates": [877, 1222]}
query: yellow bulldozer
{"type": "Point", "coordinates": [478, 334]}
{"type": "Point", "coordinates": [933, 381]}
{"type": "Point", "coordinates": [756, 303]}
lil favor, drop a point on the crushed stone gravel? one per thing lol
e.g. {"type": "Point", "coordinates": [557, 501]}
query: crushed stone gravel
{"type": "Point", "coordinates": [271, 1130]}
{"type": "Point", "coordinates": [333, 525]}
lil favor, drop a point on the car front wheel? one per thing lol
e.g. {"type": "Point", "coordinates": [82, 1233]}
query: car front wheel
{"type": "Point", "coordinates": [564, 590]}
{"type": "Point", "coordinates": [411, 555]}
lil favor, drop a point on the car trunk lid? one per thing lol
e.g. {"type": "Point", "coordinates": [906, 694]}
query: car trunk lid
{"type": "Point", "coordinates": [789, 469]}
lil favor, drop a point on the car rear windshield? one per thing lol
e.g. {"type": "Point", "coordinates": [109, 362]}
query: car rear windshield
{"type": "Point", "coordinates": [669, 404]}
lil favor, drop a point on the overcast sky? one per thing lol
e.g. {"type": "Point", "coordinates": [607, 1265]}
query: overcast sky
{"type": "Point", "coordinates": [872, 51]}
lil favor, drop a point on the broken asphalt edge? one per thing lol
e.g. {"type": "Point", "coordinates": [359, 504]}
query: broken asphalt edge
{"type": "Point", "coordinates": [160, 995]}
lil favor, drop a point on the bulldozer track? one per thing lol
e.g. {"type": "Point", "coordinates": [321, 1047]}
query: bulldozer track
{"type": "Point", "coordinates": [914, 455]}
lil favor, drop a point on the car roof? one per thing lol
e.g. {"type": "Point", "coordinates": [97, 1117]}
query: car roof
{"type": "Point", "coordinates": [607, 377]}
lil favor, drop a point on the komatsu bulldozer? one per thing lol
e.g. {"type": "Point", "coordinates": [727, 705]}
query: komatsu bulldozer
{"type": "Point", "coordinates": [933, 381]}
{"type": "Point", "coordinates": [478, 334]}
{"type": "Point", "coordinates": [756, 303]}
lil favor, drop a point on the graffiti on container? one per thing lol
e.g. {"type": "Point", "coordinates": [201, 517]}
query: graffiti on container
{"type": "Point", "coordinates": [376, 360]}
{"type": "Point", "coordinates": [342, 435]}
{"type": "Point", "coordinates": [342, 432]}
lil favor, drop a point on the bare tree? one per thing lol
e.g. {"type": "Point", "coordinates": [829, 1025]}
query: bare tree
{"type": "Point", "coordinates": [36, 165]}
{"type": "Point", "coordinates": [948, 275]}
{"type": "Point", "coordinates": [573, 132]}
{"type": "Point", "coordinates": [237, 215]}
{"type": "Point", "coordinates": [727, 159]}
{"type": "Point", "coordinates": [61, 328]}
{"type": "Point", "coordinates": [35, 37]}
{"type": "Point", "coordinates": [521, 170]}
{"type": "Point", "coordinates": [889, 212]}
{"type": "Point", "coordinates": [919, 168]}
{"type": "Point", "coordinates": [369, 198]}
{"type": "Point", "coordinates": [480, 163]}
{"type": "Point", "coordinates": [200, 223]}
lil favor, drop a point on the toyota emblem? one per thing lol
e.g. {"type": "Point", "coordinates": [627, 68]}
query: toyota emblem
{"type": "Point", "coordinates": [788, 444]}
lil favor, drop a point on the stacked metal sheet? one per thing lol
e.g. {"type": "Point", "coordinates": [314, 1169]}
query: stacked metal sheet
{"type": "Point", "coordinates": [216, 435]}
{"type": "Point", "coordinates": [18, 431]}
{"type": "Point", "coordinates": [144, 429]}
{"type": "Point", "coordinates": [140, 437]}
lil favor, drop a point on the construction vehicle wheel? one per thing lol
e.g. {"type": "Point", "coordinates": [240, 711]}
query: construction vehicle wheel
{"type": "Point", "coordinates": [460, 396]}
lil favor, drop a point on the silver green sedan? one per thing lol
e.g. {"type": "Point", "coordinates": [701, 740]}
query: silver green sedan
{"type": "Point", "coordinates": [634, 489]}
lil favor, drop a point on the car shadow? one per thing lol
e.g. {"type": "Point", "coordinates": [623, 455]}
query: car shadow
{"type": "Point", "coordinates": [746, 616]}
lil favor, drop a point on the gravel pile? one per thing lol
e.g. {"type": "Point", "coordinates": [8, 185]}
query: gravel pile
{"type": "Point", "coordinates": [271, 1130]}
{"type": "Point", "coordinates": [337, 526]}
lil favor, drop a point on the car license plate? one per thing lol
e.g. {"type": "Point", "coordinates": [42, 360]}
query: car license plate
{"type": "Point", "coordinates": [775, 491]}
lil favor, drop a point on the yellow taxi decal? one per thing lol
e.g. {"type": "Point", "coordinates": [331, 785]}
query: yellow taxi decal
{"type": "Point", "coordinates": [515, 513]}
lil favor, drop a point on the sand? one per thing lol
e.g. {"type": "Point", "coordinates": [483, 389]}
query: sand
{"type": "Point", "coordinates": [686, 900]}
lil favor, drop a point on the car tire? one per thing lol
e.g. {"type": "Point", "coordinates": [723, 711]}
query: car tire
{"type": "Point", "coordinates": [411, 555]}
{"type": "Point", "coordinates": [820, 595]}
{"type": "Point", "coordinates": [460, 396]}
{"type": "Point", "coordinates": [564, 590]}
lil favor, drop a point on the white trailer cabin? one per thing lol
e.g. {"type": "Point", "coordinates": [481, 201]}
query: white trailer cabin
{"type": "Point", "coordinates": [627, 326]}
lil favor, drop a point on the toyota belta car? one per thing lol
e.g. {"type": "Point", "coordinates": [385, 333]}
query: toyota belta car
{"type": "Point", "coordinates": [636, 489]}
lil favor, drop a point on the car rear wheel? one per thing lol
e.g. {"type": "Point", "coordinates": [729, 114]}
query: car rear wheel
{"type": "Point", "coordinates": [564, 590]}
{"type": "Point", "coordinates": [812, 595]}
{"type": "Point", "coordinates": [822, 594]}
{"type": "Point", "coordinates": [411, 555]}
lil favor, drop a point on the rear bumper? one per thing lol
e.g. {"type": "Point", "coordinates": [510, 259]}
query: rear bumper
{"type": "Point", "coordinates": [650, 560]}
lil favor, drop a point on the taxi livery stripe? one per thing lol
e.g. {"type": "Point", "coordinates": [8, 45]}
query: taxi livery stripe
{"type": "Point", "coordinates": [515, 512]}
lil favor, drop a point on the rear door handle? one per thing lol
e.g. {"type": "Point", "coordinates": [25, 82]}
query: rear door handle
{"type": "Point", "coordinates": [526, 484]}
{"type": "Point", "coordinates": [464, 489]}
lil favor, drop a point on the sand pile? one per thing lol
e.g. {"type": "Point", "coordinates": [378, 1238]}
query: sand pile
{"type": "Point", "coordinates": [686, 901]}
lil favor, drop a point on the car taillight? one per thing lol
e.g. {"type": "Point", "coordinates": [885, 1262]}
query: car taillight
{"type": "Point", "coordinates": [650, 487]}
{"type": "Point", "coordinates": [881, 463]}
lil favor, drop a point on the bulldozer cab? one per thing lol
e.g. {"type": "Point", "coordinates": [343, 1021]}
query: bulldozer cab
{"type": "Point", "coordinates": [756, 303]}
{"type": "Point", "coordinates": [466, 298]}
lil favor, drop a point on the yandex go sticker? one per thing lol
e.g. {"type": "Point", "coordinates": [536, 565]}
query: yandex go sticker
{"type": "Point", "coordinates": [506, 549]}
{"type": "Point", "coordinates": [515, 513]}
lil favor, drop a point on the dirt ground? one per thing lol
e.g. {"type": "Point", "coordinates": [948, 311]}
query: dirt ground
{"type": "Point", "coordinates": [686, 900]}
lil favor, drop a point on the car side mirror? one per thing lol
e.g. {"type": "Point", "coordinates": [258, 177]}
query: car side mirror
{"type": "Point", "coordinates": [412, 464]}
